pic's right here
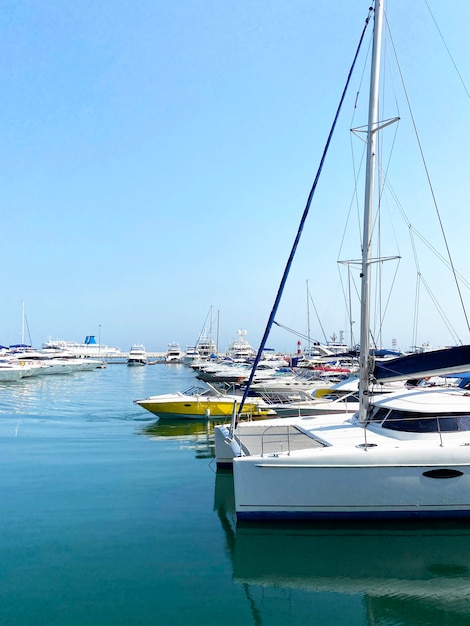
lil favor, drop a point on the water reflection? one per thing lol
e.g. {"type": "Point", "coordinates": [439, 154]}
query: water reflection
{"type": "Point", "coordinates": [401, 573]}
{"type": "Point", "coordinates": [198, 434]}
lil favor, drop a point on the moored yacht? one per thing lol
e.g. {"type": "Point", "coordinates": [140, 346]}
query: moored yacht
{"type": "Point", "coordinates": [410, 460]}
{"type": "Point", "coordinates": [206, 346]}
{"type": "Point", "coordinates": [40, 363]}
{"type": "Point", "coordinates": [191, 355]}
{"type": "Point", "coordinates": [174, 353]}
{"type": "Point", "coordinates": [137, 355]}
{"type": "Point", "coordinates": [10, 372]}
{"type": "Point", "coordinates": [240, 349]}
{"type": "Point", "coordinates": [89, 348]}
{"type": "Point", "coordinates": [202, 403]}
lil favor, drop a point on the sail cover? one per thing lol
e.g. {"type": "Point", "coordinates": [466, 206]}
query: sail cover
{"type": "Point", "coordinates": [431, 363]}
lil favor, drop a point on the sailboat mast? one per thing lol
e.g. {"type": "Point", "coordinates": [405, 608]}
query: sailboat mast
{"type": "Point", "coordinates": [372, 127]}
{"type": "Point", "coordinates": [22, 323]}
{"type": "Point", "coordinates": [309, 346]}
{"type": "Point", "coordinates": [210, 325]}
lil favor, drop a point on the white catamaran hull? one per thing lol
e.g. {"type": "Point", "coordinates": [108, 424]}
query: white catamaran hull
{"type": "Point", "coordinates": [365, 483]}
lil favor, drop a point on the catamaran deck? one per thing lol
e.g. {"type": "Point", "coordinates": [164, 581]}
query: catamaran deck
{"type": "Point", "coordinates": [276, 436]}
{"type": "Point", "coordinates": [279, 438]}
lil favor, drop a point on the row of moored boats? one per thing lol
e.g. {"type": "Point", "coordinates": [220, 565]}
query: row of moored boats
{"type": "Point", "coordinates": [21, 361]}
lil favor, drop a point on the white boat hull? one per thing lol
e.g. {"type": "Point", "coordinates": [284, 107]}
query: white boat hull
{"type": "Point", "coordinates": [10, 374]}
{"type": "Point", "coordinates": [397, 484]}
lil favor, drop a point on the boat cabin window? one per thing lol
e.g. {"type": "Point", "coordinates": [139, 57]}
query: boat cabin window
{"type": "Point", "coordinates": [409, 421]}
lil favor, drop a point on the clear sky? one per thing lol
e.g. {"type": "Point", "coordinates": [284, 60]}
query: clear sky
{"type": "Point", "coordinates": [156, 157]}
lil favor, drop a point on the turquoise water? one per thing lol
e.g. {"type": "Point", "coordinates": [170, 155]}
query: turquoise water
{"type": "Point", "coordinates": [110, 518]}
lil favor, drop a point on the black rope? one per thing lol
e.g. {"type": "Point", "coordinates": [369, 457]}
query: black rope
{"type": "Point", "coordinates": [302, 222]}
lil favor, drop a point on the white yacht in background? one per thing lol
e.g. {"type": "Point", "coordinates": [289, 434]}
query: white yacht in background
{"type": "Point", "coordinates": [240, 350]}
{"type": "Point", "coordinates": [40, 363]}
{"type": "Point", "coordinates": [205, 346]}
{"type": "Point", "coordinates": [174, 354]}
{"type": "Point", "coordinates": [191, 355]}
{"type": "Point", "coordinates": [137, 355]}
{"type": "Point", "coordinates": [10, 372]}
{"type": "Point", "coordinates": [76, 363]}
{"type": "Point", "coordinates": [89, 348]}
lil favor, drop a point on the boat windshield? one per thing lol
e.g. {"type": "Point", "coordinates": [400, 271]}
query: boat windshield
{"type": "Point", "coordinates": [412, 422]}
{"type": "Point", "coordinates": [194, 390]}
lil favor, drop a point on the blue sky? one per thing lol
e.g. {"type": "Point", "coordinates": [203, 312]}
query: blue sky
{"type": "Point", "coordinates": [156, 156]}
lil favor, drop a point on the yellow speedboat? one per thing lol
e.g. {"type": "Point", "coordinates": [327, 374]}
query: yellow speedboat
{"type": "Point", "coordinates": [197, 403]}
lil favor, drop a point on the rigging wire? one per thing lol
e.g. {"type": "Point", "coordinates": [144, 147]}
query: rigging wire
{"type": "Point", "coordinates": [27, 328]}
{"type": "Point", "coordinates": [296, 333]}
{"type": "Point", "coordinates": [318, 318]}
{"type": "Point", "coordinates": [431, 188]}
{"type": "Point", "coordinates": [448, 262]}
{"type": "Point", "coordinates": [415, 234]}
{"type": "Point", "coordinates": [441, 311]}
{"type": "Point", "coordinates": [303, 219]}
{"type": "Point", "coordinates": [417, 292]}
{"type": "Point", "coordinates": [348, 298]}
{"type": "Point", "coordinates": [382, 173]}
{"type": "Point", "coordinates": [447, 48]}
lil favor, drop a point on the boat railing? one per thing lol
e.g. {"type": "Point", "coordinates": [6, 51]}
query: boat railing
{"type": "Point", "coordinates": [279, 440]}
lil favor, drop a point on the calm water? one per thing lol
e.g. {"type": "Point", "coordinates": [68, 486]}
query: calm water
{"type": "Point", "coordinates": [109, 518]}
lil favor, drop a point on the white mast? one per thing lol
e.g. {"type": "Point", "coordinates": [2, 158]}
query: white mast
{"type": "Point", "coordinates": [309, 344]}
{"type": "Point", "coordinates": [22, 323]}
{"type": "Point", "coordinates": [372, 127]}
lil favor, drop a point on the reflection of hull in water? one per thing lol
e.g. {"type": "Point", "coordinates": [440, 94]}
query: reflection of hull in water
{"type": "Point", "coordinates": [198, 435]}
{"type": "Point", "coordinates": [182, 428]}
{"type": "Point", "coordinates": [421, 563]}
{"type": "Point", "coordinates": [391, 566]}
